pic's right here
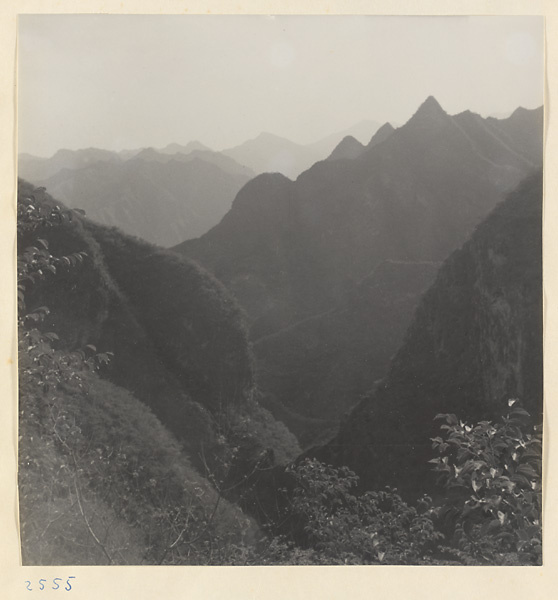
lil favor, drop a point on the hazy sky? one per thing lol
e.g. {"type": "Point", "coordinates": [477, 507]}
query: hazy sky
{"type": "Point", "coordinates": [131, 81]}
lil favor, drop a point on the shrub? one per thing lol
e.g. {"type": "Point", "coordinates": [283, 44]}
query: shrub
{"type": "Point", "coordinates": [373, 528]}
{"type": "Point", "coordinates": [493, 476]}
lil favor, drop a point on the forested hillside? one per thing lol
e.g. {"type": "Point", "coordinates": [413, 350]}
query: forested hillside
{"type": "Point", "coordinates": [127, 378]}
{"type": "Point", "coordinates": [475, 343]}
{"type": "Point", "coordinates": [143, 440]}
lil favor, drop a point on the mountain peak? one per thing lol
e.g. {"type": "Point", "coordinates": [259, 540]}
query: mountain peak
{"type": "Point", "coordinates": [175, 148]}
{"type": "Point", "coordinates": [381, 135]}
{"type": "Point", "coordinates": [266, 136]}
{"type": "Point", "coordinates": [348, 147]}
{"type": "Point", "coordinates": [429, 110]}
{"type": "Point", "coordinates": [520, 112]}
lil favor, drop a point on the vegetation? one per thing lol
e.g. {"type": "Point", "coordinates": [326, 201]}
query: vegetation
{"type": "Point", "coordinates": [493, 476]}
{"type": "Point", "coordinates": [181, 348]}
{"type": "Point", "coordinates": [489, 512]}
{"type": "Point", "coordinates": [103, 481]}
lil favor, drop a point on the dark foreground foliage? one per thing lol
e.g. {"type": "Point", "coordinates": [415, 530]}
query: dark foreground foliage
{"type": "Point", "coordinates": [488, 514]}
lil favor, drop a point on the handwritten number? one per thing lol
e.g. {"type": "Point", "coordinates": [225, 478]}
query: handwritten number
{"type": "Point", "coordinates": [68, 586]}
{"type": "Point", "coordinates": [55, 581]}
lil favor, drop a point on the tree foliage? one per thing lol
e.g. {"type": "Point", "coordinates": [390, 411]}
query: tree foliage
{"type": "Point", "coordinates": [493, 476]}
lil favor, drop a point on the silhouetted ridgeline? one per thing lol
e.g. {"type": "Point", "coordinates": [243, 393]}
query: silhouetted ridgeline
{"type": "Point", "coordinates": [293, 253]}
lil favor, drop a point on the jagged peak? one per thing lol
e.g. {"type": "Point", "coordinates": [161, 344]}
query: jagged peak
{"type": "Point", "coordinates": [381, 134]}
{"type": "Point", "coordinates": [268, 179]}
{"type": "Point", "coordinates": [348, 147]}
{"type": "Point", "coordinates": [429, 110]}
{"type": "Point", "coordinates": [385, 127]}
{"type": "Point", "coordinates": [468, 116]}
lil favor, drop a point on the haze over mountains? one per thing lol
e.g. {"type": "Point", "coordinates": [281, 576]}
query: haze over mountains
{"type": "Point", "coordinates": [173, 193]}
{"type": "Point", "coordinates": [328, 268]}
{"type": "Point", "coordinates": [330, 315]}
{"type": "Point", "coordinates": [291, 252]}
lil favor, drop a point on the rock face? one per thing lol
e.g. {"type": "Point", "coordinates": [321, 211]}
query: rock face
{"type": "Point", "coordinates": [475, 342]}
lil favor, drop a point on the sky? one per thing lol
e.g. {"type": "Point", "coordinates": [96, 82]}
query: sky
{"type": "Point", "coordinates": [124, 81]}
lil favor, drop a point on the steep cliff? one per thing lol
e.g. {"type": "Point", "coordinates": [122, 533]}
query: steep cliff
{"type": "Point", "coordinates": [474, 343]}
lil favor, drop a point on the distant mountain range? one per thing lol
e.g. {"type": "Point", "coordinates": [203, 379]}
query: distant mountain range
{"type": "Point", "coordinates": [290, 251]}
{"type": "Point", "coordinates": [269, 153]}
{"type": "Point", "coordinates": [160, 197]}
{"type": "Point", "coordinates": [329, 313]}
{"type": "Point", "coordinates": [173, 193]}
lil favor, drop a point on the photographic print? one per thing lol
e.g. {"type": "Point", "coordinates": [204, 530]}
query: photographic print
{"type": "Point", "coordinates": [280, 290]}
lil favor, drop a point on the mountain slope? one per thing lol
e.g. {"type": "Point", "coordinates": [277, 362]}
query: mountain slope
{"type": "Point", "coordinates": [112, 488]}
{"type": "Point", "coordinates": [36, 169]}
{"type": "Point", "coordinates": [270, 153]}
{"type": "Point", "coordinates": [292, 251]}
{"type": "Point", "coordinates": [415, 196]}
{"type": "Point", "coordinates": [178, 338]}
{"type": "Point", "coordinates": [475, 342]}
{"type": "Point", "coordinates": [316, 370]}
{"type": "Point", "coordinates": [348, 147]}
{"type": "Point", "coordinates": [152, 195]}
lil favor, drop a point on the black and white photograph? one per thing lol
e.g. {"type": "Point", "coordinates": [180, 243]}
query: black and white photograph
{"type": "Point", "coordinates": [279, 290]}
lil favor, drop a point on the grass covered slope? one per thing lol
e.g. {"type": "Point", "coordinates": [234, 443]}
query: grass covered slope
{"type": "Point", "coordinates": [101, 481]}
